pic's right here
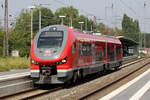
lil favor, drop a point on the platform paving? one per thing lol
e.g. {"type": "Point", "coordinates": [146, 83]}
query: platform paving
{"type": "Point", "coordinates": [136, 89]}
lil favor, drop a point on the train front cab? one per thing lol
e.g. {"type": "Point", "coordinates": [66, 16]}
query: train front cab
{"type": "Point", "coordinates": [50, 64]}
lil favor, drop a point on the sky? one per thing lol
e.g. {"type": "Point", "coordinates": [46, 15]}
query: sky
{"type": "Point", "coordinates": [109, 12]}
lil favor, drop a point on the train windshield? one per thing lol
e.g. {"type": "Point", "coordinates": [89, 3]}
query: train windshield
{"type": "Point", "coordinates": [50, 39]}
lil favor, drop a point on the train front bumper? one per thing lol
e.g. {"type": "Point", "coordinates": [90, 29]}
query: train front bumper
{"type": "Point", "coordinates": [61, 77]}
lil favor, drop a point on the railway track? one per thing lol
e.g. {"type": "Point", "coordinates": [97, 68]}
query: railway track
{"type": "Point", "coordinates": [126, 64]}
{"type": "Point", "coordinates": [31, 93]}
{"type": "Point", "coordinates": [37, 92]}
{"type": "Point", "coordinates": [121, 78]}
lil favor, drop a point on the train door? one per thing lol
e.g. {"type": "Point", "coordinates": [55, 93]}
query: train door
{"type": "Point", "coordinates": [108, 53]}
{"type": "Point", "coordinates": [105, 60]}
{"type": "Point", "coordinates": [93, 53]}
{"type": "Point", "coordinates": [112, 52]}
{"type": "Point", "coordinates": [104, 52]}
{"type": "Point", "coordinates": [74, 54]}
{"type": "Point", "coordinates": [115, 54]}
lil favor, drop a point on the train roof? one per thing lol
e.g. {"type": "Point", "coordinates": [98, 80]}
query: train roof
{"type": "Point", "coordinates": [81, 36]}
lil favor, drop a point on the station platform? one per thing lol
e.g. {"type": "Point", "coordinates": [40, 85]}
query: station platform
{"type": "Point", "coordinates": [136, 89]}
{"type": "Point", "coordinates": [14, 72]}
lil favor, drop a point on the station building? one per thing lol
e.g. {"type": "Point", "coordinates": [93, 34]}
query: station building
{"type": "Point", "coordinates": [130, 47]}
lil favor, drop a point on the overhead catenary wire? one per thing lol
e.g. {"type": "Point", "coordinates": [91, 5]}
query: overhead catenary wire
{"type": "Point", "coordinates": [64, 4]}
{"type": "Point", "coordinates": [128, 7]}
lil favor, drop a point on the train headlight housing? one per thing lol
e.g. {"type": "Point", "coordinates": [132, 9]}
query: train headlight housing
{"type": "Point", "coordinates": [63, 61]}
{"type": "Point", "coordinates": [34, 62]}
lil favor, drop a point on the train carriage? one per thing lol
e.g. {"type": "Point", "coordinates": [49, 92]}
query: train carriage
{"type": "Point", "coordinates": [60, 54]}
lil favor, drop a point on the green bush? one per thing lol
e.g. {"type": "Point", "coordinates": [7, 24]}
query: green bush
{"type": "Point", "coordinates": [9, 63]}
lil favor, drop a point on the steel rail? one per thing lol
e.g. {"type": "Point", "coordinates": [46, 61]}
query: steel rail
{"type": "Point", "coordinates": [121, 78]}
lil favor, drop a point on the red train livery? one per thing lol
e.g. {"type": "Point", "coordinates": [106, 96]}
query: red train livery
{"type": "Point", "coordinates": [60, 54]}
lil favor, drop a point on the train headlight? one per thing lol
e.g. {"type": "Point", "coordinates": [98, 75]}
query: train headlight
{"type": "Point", "coordinates": [63, 61]}
{"type": "Point", "coordinates": [34, 62]}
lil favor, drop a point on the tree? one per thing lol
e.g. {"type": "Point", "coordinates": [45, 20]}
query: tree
{"type": "Point", "coordinates": [101, 28]}
{"type": "Point", "coordinates": [69, 12]}
{"type": "Point", "coordinates": [81, 18]}
{"type": "Point", "coordinates": [47, 18]}
{"type": "Point", "coordinates": [130, 28]}
{"type": "Point", "coordinates": [105, 30]}
{"type": "Point", "coordinates": [1, 41]}
{"type": "Point", "coordinates": [20, 37]}
{"type": "Point", "coordinates": [88, 23]}
{"type": "Point", "coordinates": [72, 13]}
{"type": "Point", "coordinates": [148, 40]}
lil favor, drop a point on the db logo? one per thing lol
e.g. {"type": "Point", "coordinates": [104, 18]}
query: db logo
{"type": "Point", "coordinates": [47, 51]}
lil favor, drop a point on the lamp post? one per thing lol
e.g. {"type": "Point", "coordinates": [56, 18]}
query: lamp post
{"type": "Point", "coordinates": [62, 19]}
{"type": "Point", "coordinates": [39, 20]}
{"type": "Point", "coordinates": [81, 24]}
{"type": "Point", "coordinates": [40, 13]}
{"type": "Point", "coordinates": [31, 8]}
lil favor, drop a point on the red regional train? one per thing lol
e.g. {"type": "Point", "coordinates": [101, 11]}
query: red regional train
{"type": "Point", "coordinates": [60, 54]}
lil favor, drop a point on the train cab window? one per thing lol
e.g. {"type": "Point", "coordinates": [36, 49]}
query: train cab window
{"type": "Point", "coordinates": [85, 49]}
{"type": "Point", "coordinates": [48, 39]}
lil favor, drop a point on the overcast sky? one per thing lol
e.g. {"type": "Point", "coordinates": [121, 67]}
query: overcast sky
{"type": "Point", "coordinates": [109, 12]}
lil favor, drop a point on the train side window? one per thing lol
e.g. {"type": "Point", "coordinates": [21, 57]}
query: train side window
{"type": "Point", "coordinates": [104, 50]}
{"type": "Point", "coordinates": [118, 49]}
{"type": "Point", "coordinates": [98, 56]}
{"type": "Point", "coordinates": [112, 56]}
{"type": "Point", "coordinates": [73, 47]}
{"type": "Point", "coordinates": [85, 49]}
{"type": "Point", "coordinates": [97, 44]}
{"type": "Point", "coordinates": [80, 49]}
{"type": "Point", "coordinates": [108, 51]}
{"type": "Point", "coordinates": [88, 49]}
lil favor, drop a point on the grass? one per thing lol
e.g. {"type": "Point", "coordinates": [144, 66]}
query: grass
{"type": "Point", "coordinates": [10, 63]}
